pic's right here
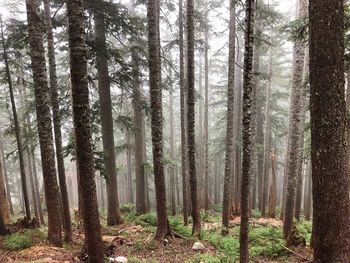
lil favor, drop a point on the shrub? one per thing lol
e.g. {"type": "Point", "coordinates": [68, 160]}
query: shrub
{"type": "Point", "coordinates": [149, 219]}
{"type": "Point", "coordinates": [176, 224]}
{"type": "Point", "coordinates": [305, 229]}
{"type": "Point", "coordinates": [23, 240]}
{"type": "Point", "coordinates": [127, 208]}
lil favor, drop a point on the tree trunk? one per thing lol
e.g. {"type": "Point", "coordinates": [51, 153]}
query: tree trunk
{"type": "Point", "coordinates": [267, 140]}
{"type": "Point", "coordinates": [206, 130]}
{"type": "Point", "coordinates": [66, 219]}
{"type": "Point", "coordinates": [42, 103]}
{"type": "Point", "coordinates": [308, 194]}
{"type": "Point", "coordinates": [172, 150]}
{"type": "Point", "coordinates": [129, 188]}
{"type": "Point", "coordinates": [273, 190]}
{"type": "Point", "coordinates": [153, 9]}
{"type": "Point", "coordinates": [184, 158]}
{"type": "Point", "coordinates": [229, 156]}
{"type": "Point", "coordinates": [294, 132]}
{"type": "Point", "coordinates": [138, 131]}
{"type": "Point", "coordinates": [4, 206]}
{"type": "Point", "coordinates": [191, 119]}
{"type": "Point", "coordinates": [257, 129]}
{"type": "Point", "coordinates": [36, 184]}
{"type": "Point", "coordinates": [330, 176]}
{"type": "Point", "coordinates": [247, 130]}
{"type": "Point", "coordinates": [3, 229]}
{"type": "Point", "coordinates": [82, 130]}
{"type": "Point", "coordinates": [17, 127]}
{"type": "Point", "coordinates": [7, 184]}
{"type": "Point", "coordinates": [104, 90]}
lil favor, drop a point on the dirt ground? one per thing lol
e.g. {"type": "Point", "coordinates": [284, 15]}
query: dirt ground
{"type": "Point", "coordinates": [135, 243]}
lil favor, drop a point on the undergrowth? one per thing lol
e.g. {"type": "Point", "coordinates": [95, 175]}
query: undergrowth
{"type": "Point", "coordinates": [24, 239]}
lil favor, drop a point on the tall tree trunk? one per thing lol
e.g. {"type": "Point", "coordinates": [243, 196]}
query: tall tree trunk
{"type": "Point", "coordinates": [308, 194]}
{"type": "Point", "coordinates": [206, 116]}
{"type": "Point", "coordinates": [4, 206]}
{"type": "Point", "coordinates": [66, 219]}
{"type": "Point", "coordinates": [7, 184]}
{"type": "Point", "coordinates": [153, 9]}
{"type": "Point", "coordinates": [17, 127]}
{"type": "Point", "coordinates": [299, 180]}
{"type": "Point", "coordinates": [191, 119]}
{"type": "Point", "coordinates": [36, 184]}
{"type": "Point", "coordinates": [200, 138]}
{"type": "Point", "coordinates": [82, 130]}
{"type": "Point", "coordinates": [273, 190]}
{"type": "Point", "coordinates": [229, 156]}
{"type": "Point", "coordinates": [330, 175]}
{"type": "Point", "coordinates": [138, 132]}
{"type": "Point", "coordinates": [42, 103]}
{"type": "Point", "coordinates": [257, 122]}
{"type": "Point", "coordinates": [183, 112]}
{"type": "Point", "coordinates": [247, 130]}
{"type": "Point", "coordinates": [104, 90]}
{"type": "Point", "coordinates": [294, 132]}
{"type": "Point", "coordinates": [129, 168]}
{"type": "Point", "coordinates": [172, 150]}
{"type": "Point", "coordinates": [31, 181]}
{"type": "Point", "coordinates": [267, 140]}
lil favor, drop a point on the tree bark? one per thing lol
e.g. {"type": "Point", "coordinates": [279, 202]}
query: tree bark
{"type": "Point", "coordinates": [7, 184]}
{"type": "Point", "coordinates": [17, 127]}
{"type": "Point", "coordinates": [229, 155]}
{"type": "Point", "coordinates": [294, 132]}
{"type": "Point", "coordinates": [191, 120]}
{"type": "Point", "coordinates": [153, 9]}
{"type": "Point", "coordinates": [66, 219]}
{"type": "Point", "coordinates": [4, 206]}
{"type": "Point", "coordinates": [184, 157]}
{"type": "Point", "coordinates": [206, 116]}
{"type": "Point", "coordinates": [138, 132]}
{"type": "Point", "coordinates": [247, 130]}
{"type": "Point", "coordinates": [273, 189]}
{"type": "Point", "coordinates": [104, 90]}
{"type": "Point", "coordinates": [267, 140]}
{"type": "Point", "coordinates": [308, 194]}
{"type": "Point", "coordinates": [172, 150]}
{"type": "Point", "coordinates": [36, 184]}
{"type": "Point", "coordinates": [3, 229]}
{"type": "Point", "coordinates": [82, 130]}
{"type": "Point", "coordinates": [330, 175]}
{"type": "Point", "coordinates": [42, 103]}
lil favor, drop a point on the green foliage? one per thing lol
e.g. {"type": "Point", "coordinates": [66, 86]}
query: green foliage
{"type": "Point", "coordinates": [149, 219]}
{"type": "Point", "coordinates": [210, 217]}
{"type": "Point", "coordinates": [177, 225]}
{"type": "Point", "coordinates": [305, 229]}
{"type": "Point", "coordinates": [127, 208]}
{"type": "Point", "coordinates": [256, 213]}
{"type": "Point", "coordinates": [23, 240]}
{"type": "Point", "coordinates": [266, 241]}
{"type": "Point", "coordinates": [228, 245]}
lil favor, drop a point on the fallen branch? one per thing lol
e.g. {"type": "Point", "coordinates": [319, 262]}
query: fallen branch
{"type": "Point", "coordinates": [296, 254]}
{"type": "Point", "coordinates": [178, 235]}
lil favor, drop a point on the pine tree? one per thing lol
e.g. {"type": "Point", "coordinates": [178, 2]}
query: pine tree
{"type": "Point", "coordinates": [82, 130]}
{"type": "Point", "coordinates": [331, 221]}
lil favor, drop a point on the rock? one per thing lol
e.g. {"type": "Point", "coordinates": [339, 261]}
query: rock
{"type": "Point", "coordinates": [198, 246]}
{"type": "Point", "coordinates": [121, 260]}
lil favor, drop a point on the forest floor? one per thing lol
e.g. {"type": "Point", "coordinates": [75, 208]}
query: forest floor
{"type": "Point", "coordinates": [135, 240]}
